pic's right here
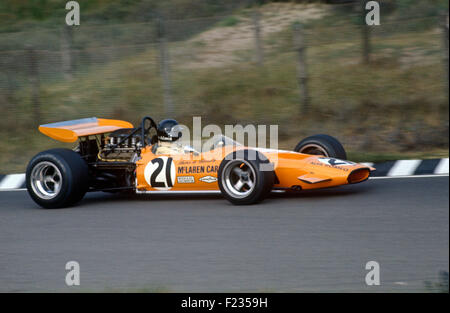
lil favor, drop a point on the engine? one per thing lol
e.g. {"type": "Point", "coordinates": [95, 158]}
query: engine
{"type": "Point", "coordinates": [117, 147]}
{"type": "Point", "coordinates": [112, 158]}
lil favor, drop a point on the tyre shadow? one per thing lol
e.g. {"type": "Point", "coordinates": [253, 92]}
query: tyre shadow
{"type": "Point", "coordinates": [321, 193]}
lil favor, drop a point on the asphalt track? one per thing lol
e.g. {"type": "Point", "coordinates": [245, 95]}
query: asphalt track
{"type": "Point", "coordinates": [315, 241]}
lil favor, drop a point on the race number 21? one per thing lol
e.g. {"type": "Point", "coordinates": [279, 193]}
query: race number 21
{"type": "Point", "coordinates": [160, 173]}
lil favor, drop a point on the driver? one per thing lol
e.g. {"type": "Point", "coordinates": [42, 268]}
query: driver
{"type": "Point", "coordinates": [168, 132]}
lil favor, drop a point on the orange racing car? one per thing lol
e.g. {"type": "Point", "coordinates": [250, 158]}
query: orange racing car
{"type": "Point", "coordinates": [113, 156]}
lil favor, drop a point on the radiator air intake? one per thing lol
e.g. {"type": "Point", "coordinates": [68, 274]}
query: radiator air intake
{"type": "Point", "coordinates": [358, 176]}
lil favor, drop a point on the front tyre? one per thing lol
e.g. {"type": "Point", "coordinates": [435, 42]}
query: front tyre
{"type": "Point", "coordinates": [57, 178]}
{"type": "Point", "coordinates": [324, 145]}
{"type": "Point", "coordinates": [245, 177]}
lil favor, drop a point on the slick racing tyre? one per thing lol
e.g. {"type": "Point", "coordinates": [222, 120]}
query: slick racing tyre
{"type": "Point", "coordinates": [322, 145]}
{"type": "Point", "coordinates": [57, 178]}
{"type": "Point", "coordinates": [245, 177]}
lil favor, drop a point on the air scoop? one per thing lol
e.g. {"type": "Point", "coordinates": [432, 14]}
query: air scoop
{"type": "Point", "coordinates": [358, 175]}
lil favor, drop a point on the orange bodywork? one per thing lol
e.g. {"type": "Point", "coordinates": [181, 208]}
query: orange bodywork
{"type": "Point", "coordinates": [199, 173]}
{"type": "Point", "coordinates": [71, 130]}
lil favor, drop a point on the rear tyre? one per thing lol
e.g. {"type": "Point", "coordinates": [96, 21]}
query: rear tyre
{"type": "Point", "coordinates": [57, 178]}
{"type": "Point", "coordinates": [322, 145]}
{"type": "Point", "coordinates": [245, 177]}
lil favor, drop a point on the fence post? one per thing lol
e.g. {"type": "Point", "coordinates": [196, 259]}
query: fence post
{"type": "Point", "coordinates": [256, 17]}
{"type": "Point", "coordinates": [66, 53]}
{"type": "Point", "coordinates": [302, 70]}
{"type": "Point", "coordinates": [5, 61]}
{"type": "Point", "coordinates": [444, 25]}
{"type": "Point", "coordinates": [365, 33]}
{"type": "Point", "coordinates": [35, 84]}
{"type": "Point", "coordinates": [165, 67]}
{"type": "Point", "coordinates": [366, 47]}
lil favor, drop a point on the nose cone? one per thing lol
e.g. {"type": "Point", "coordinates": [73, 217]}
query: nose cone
{"type": "Point", "coordinates": [312, 172]}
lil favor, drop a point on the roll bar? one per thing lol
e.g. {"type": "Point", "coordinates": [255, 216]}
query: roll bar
{"type": "Point", "coordinates": [140, 128]}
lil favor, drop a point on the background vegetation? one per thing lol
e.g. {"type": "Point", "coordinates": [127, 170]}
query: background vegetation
{"type": "Point", "coordinates": [395, 106]}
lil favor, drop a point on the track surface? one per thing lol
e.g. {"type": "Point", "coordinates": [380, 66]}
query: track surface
{"type": "Point", "coordinates": [315, 241]}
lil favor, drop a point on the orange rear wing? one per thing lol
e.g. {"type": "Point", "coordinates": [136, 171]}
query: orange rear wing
{"type": "Point", "coordinates": [69, 131]}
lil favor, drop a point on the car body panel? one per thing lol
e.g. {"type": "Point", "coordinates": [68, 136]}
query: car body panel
{"type": "Point", "coordinates": [189, 173]}
{"type": "Point", "coordinates": [69, 131]}
{"type": "Point", "coordinates": [200, 173]}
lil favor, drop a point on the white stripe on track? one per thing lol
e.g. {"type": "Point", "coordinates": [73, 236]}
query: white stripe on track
{"type": "Point", "coordinates": [13, 181]}
{"type": "Point", "coordinates": [404, 168]}
{"type": "Point", "coordinates": [442, 167]}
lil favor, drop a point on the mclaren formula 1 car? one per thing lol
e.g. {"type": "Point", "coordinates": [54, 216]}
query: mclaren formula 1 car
{"type": "Point", "coordinates": [113, 156]}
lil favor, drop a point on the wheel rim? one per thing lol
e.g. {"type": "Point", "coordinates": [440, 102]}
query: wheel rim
{"type": "Point", "coordinates": [239, 178]}
{"type": "Point", "coordinates": [314, 149]}
{"type": "Point", "coordinates": [46, 180]}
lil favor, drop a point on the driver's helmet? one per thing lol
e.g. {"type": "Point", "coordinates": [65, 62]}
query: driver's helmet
{"type": "Point", "coordinates": [168, 130]}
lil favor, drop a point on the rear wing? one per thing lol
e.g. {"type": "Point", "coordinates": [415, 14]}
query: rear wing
{"type": "Point", "coordinates": [69, 131]}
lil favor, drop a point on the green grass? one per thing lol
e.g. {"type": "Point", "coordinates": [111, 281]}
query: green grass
{"type": "Point", "coordinates": [229, 21]}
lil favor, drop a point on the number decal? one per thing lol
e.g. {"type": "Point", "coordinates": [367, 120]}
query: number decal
{"type": "Point", "coordinates": [168, 174]}
{"type": "Point", "coordinates": [155, 174]}
{"type": "Point", "coordinates": [160, 173]}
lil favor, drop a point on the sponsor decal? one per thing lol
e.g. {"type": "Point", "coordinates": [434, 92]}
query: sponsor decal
{"type": "Point", "coordinates": [208, 179]}
{"type": "Point", "coordinates": [198, 169]}
{"type": "Point", "coordinates": [160, 173]}
{"type": "Point", "coordinates": [186, 179]}
{"type": "Point", "coordinates": [335, 162]}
